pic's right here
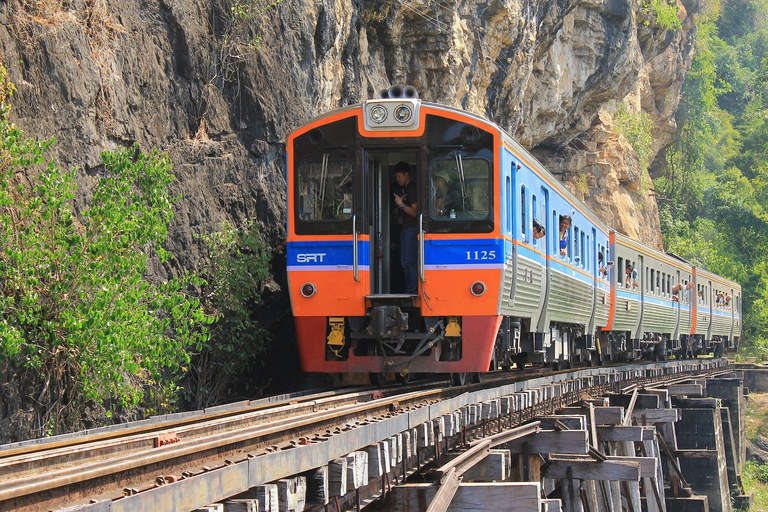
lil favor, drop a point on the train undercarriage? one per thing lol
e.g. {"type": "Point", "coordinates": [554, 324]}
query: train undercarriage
{"type": "Point", "coordinates": [395, 339]}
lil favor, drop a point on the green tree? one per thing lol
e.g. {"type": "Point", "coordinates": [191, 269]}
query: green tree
{"type": "Point", "coordinates": [236, 275]}
{"type": "Point", "coordinates": [79, 319]}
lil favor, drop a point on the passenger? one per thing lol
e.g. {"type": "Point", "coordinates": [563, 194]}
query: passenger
{"type": "Point", "coordinates": [406, 202]}
{"type": "Point", "coordinates": [538, 230]}
{"type": "Point", "coordinates": [728, 300]}
{"type": "Point", "coordinates": [676, 292]}
{"type": "Point", "coordinates": [630, 276]}
{"type": "Point", "coordinates": [720, 299]}
{"type": "Point", "coordinates": [603, 269]}
{"type": "Point", "coordinates": [565, 224]}
{"type": "Point", "coordinates": [440, 183]}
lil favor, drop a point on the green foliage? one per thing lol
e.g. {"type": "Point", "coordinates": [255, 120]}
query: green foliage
{"type": "Point", "coordinates": [663, 13]}
{"type": "Point", "coordinates": [235, 279]}
{"type": "Point", "coordinates": [637, 128]}
{"type": "Point", "coordinates": [77, 316]}
{"type": "Point", "coordinates": [713, 193]}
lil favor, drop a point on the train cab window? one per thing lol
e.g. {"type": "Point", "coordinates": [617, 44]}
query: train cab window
{"type": "Point", "coordinates": [325, 190]}
{"type": "Point", "coordinates": [467, 192]}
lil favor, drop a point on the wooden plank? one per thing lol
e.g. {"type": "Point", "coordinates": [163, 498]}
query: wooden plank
{"type": "Point", "coordinates": [647, 464]}
{"type": "Point", "coordinates": [651, 416]}
{"type": "Point", "coordinates": [603, 415]}
{"type": "Point", "coordinates": [586, 469]}
{"type": "Point", "coordinates": [551, 506]}
{"type": "Point", "coordinates": [266, 495]}
{"type": "Point", "coordinates": [493, 468]}
{"type": "Point", "coordinates": [475, 497]}
{"type": "Point", "coordinates": [337, 477]}
{"type": "Point", "coordinates": [696, 454]}
{"type": "Point", "coordinates": [357, 469]}
{"type": "Point", "coordinates": [292, 493]}
{"type": "Point", "coordinates": [552, 441]}
{"type": "Point", "coordinates": [685, 389]}
{"type": "Point", "coordinates": [573, 422]}
{"type": "Point", "coordinates": [619, 433]}
{"type": "Point", "coordinates": [241, 505]}
{"type": "Point", "coordinates": [317, 486]}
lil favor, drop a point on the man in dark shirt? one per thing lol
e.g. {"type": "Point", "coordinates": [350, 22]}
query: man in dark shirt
{"type": "Point", "coordinates": [405, 199]}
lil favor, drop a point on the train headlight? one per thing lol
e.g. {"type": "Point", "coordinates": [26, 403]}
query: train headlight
{"type": "Point", "coordinates": [378, 114]}
{"type": "Point", "coordinates": [403, 113]}
{"type": "Point", "coordinates": [308, 290]}
{"type": "Point", "coordinates": [477, 289]}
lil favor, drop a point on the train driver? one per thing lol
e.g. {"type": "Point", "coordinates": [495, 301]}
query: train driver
{"type": "Point", "coordinates": [405, 199]}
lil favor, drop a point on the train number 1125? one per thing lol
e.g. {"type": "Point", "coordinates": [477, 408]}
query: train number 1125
{"type": "Point", "coordinates": [481, 255]}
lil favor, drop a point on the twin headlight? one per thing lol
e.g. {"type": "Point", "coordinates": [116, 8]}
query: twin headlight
{"type": "Point", "coordinates": [392, 114]}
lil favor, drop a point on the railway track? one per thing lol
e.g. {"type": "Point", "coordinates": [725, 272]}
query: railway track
{"type": "Point", "coordinates": [112, 465]}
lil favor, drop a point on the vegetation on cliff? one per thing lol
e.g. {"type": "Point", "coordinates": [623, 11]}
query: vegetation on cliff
{"type": "Point", "coordinates": [80, 324]}
{"type": "Point", "coordinates": [713, 192]}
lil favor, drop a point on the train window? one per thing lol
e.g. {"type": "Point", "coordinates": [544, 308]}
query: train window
{"type": "Point", "coordinates": [523, 216]}
{"type": "Point", "coordinates": [576, 244]}
{"type": "Point", "coordinates": [583, 251]}
{"type": "Point", "coordinates": [620, 271]}
{"type": "Point", "coordinates": [657, 286]}
{"type": "Point", "coordinates": [562, 243]}
{"type": "Point", "coordinates": [652, 291]}
{"type": "Point", "coordinates": [325, 190]}
{"type": "Point", "coordinates": [467, 195]}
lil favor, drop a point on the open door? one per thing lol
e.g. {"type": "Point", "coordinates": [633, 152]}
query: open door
{"type": "Point", "coordinates": [385, 219]}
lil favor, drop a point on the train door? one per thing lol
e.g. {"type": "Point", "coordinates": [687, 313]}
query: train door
{"type": "Point", "coordinates": [385, 220]}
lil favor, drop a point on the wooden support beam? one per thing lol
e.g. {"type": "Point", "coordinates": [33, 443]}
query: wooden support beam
{"type": "Point", "coordinates": [493, 468]}
{"type": "Point", "coordinates": [573, 422]}
{"type": "Point", "coordinates": [696, 454]}
{"type": "Point", "coordinates": [587, 469]}
{"type": "Point", "coordinates": [476, 497]}
{"type": "Point", "coordinates": [551, 506]}
{"type": "Point", "coordinates": [603, 415]}
{"type": "Point", "coordinates": [651, 416]}
{"type": "Point", "coordinates": [685, 389]}
{"type": "Point", "coordinates": [647, 465]}
{"type": "Point", "coordinates": [552, 441]}
{"type": "Point", "coordinates": [618, 433]}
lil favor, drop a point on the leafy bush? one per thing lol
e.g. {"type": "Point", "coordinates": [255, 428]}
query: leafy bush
{"type": "Point", "coordinates": [664, 13]}
{"type": "Point", "coordinates": [637, 128]}
{"type": "Point", "coordinates": [235, 278]}
{"type": "Point", "coordinates": [78, 318]}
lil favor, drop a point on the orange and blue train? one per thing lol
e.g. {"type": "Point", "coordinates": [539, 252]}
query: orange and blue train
{"type": "Point", "coordinates": [492, 292]}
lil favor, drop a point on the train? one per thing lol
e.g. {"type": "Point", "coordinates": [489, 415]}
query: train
{"type": "Point", "coordinates": [510, 268]}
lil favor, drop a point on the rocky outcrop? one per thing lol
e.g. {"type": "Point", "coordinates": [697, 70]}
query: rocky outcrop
{"type": "Point", "coordinates": [220, 92]}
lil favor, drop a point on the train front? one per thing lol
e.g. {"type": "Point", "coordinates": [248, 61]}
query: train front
{"type": "Point", "coordinates": [382, 197]}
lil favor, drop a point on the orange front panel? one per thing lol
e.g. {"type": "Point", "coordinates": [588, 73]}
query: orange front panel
{"type": "Point", "coordinates": [448, 292]}
{"type": "Point", "coordinates": [338, 294]}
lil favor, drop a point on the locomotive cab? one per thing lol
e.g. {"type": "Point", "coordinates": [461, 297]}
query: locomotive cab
{"type": "Point", "coordinates": [351, 303]}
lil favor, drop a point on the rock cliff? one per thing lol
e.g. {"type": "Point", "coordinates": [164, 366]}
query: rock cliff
{"type": "Point", "coordinates": [219, 85]}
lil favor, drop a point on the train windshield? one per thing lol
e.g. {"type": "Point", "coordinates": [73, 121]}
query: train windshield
{"type": "Point", "coordinates": [325, 190]}
{"type": "Point", "coordinates": [460, 188]}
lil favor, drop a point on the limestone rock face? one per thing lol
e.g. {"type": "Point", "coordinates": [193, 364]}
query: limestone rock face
{"type": "Point", "coordinates": [220, 92]}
